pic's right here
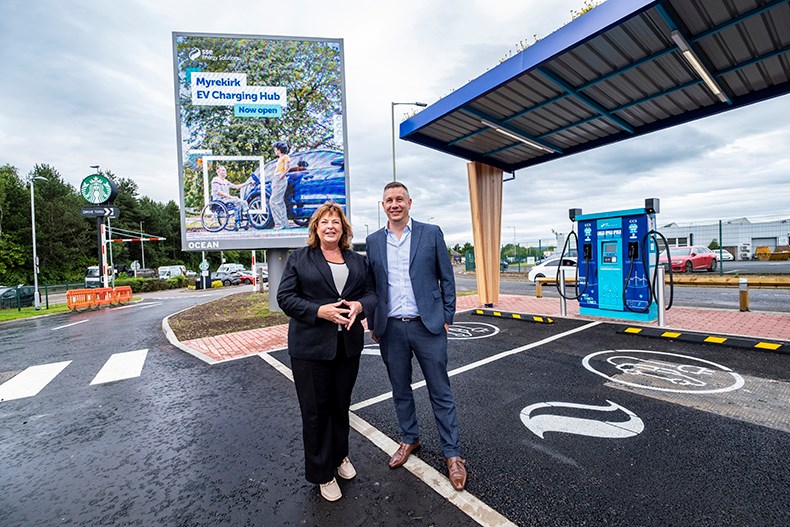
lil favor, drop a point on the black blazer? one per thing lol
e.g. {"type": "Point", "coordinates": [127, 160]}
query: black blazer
{"type": "Point", "coordinates": [306, 285]}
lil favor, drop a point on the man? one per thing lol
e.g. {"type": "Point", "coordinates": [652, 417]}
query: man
{"type": "Point", "coordinates": [416, 303]}
{"type": "Point", "coordinates": [220, 191]}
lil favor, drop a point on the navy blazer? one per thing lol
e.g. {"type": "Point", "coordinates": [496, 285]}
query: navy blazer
{"type": "Point", "coordinates": [306, 285]}
{"type": "Point", "coordinates": [431, 274]}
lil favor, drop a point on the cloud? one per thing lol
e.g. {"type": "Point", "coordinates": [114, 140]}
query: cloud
{"type": "Point", "coordinates": [86, 82]}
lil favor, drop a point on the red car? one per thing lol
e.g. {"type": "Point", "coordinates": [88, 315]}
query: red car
{"type": "Point", "coordinates": [246, 277]}
{"type": "Point", "coordinates": [690, 258]}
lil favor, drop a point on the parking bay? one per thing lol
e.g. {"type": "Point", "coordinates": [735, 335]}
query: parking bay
{"type": "Point", "coordinates": [577, 422]}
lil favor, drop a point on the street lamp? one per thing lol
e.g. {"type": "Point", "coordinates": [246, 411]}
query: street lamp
{"type": "Point", "coordinates": [36, 299]}
{"type": "Point", "coordinates": [394, 104]}
{"type": "Point", "coordinates": [367, 231]}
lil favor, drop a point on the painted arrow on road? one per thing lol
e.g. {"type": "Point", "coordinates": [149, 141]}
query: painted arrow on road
{"type": "Point", "coordinates": [540, 424]}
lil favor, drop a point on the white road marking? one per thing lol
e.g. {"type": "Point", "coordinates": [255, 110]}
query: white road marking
{"type": "Point", "coordinates": [72, 324]}
{"type": "Point", "coordinates": [473, 365]}
{"type": "Point", "coordinates": [30, 381]}
{"type": "Point", "coordinates": [121, 366]}
{"type": "Point", "coordinates": [152, 304]}
{"type": "Point", "coordinates": [468, 503]}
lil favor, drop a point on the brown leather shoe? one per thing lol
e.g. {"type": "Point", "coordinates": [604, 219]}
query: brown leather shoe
{"type": "Point", "coordinates": [402, 454]}
{"type": "Point", "coordinates": [457, 472]}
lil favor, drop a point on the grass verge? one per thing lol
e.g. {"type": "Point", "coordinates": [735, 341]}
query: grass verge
{"type": "Point", "coordinates": [229, 314]}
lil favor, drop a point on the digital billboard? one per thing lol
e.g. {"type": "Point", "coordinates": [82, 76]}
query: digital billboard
{"type": "Point", "coordinates": [260, 124]}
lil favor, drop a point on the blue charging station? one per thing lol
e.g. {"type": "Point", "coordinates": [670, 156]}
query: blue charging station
{"type": "Point", "coordinates": [617, 262]}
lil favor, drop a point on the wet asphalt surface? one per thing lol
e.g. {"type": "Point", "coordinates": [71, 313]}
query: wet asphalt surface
{"type": "Point", "coordinates": [191, 444]}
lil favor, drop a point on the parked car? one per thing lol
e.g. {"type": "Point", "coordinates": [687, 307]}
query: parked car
{"type": "Point", "coordinates": [8, 296]}
{"type": "Point", "coordinates": [246, 277]}
{"type": "Point", "coordinates": [146, 273]}
{"type": "Point", "coordinates": [226, 278]}
{"type": "Point", "coordinates": [502, 266]}
{"type": "Point", "coordinates": [230, 267]}
{"type": "Point", "coordinates": [689, 258]}
{"type": "Point", "coordinates": [548, 268]}
{"type": "Point", "coordinates": [171, 271]}
{"type": "Point", "coordinates": [726, 256]}
{"type": "Point", "coordinates": [315, 177]}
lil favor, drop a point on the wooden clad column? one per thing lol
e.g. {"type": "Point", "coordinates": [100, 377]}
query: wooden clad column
{"type": "Point", "coordinates": [485, 198]}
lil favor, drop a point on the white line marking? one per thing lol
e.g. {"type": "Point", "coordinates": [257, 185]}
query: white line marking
{"type": "Point", "coordinates": [473, 365]}
{"type": "Point", "coordinates": [30, 381]}
{"type": "Point", "coordinates": [152, 304]}
{"type": "Point", "coordinates": [72, 324]}
{"type": "Point", "coordinates": [468, 503]}
{"type": "Point", "coordinates": [121, 366]}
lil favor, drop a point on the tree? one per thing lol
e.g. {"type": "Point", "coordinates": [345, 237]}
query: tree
{"type": "Point", "coordinates": [714, 244]}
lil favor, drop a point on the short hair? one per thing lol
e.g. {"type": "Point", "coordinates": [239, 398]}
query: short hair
{"type": "Point", "coordinates": [222, 167]}
{"type": "Point", "coordinates": [281, 146]}
{"type": "Point", "coordinates": [330, 207]}
{"type": "Point", "coordinates": [395, 184]}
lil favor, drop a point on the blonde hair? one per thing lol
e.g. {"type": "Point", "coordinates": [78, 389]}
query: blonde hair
{"type": "Point", "coordinates": [327, 209]}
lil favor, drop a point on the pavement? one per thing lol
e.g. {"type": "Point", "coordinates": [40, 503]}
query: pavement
{"type": "Point", "coordinates": [771, 326]}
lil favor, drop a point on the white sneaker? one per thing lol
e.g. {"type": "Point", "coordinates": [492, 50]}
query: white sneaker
{"type": "Point", "coordinates": [331, 490]}
{"type": "Point", "coordinates": [346, 469]}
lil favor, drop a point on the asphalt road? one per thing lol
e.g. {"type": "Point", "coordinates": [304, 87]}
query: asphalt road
{"type": "Point", "coordinates": [548, 439]}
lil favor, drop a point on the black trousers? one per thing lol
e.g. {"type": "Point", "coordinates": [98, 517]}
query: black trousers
{"type": "Point", "coordinates": [324, 390]}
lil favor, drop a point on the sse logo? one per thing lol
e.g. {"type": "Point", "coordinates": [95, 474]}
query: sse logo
{"type": "Point", "coordinates": [194, 54]}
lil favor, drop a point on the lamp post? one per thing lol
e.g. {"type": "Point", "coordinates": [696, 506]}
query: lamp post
{"type": "Point", "coordinates": [367, 231]}
{"type": "Point", "coordinates": [36, 299]}
{"type": "Point", "coordinates": [394, 104]}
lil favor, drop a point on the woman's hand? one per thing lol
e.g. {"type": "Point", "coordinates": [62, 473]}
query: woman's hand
{"type": "Point", "coordinates": [354, 309]}
{"type": "Point", "coordinates": [336, 313]}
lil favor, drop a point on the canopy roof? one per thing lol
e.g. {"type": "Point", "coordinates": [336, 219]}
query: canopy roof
{"type": "Point", "coordinates": [624, 69]}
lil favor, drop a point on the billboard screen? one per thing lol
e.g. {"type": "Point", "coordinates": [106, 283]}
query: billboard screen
{"type": "Point", "coordinates": [260, 123]}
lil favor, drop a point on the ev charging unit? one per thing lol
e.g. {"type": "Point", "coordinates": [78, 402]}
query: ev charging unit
{"type": "Point", "coordinates": [617, 262]}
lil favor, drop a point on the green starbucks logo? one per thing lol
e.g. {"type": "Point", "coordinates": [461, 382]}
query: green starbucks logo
{"type": "Point", "coordinates": [96, 189]}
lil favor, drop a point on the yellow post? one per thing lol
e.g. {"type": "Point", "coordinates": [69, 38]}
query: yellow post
{"type": "Point", "coordinates": [743, 293]}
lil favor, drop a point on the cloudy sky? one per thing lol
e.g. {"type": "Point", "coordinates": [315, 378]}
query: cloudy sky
{"type": "Point", "coordinates": [85, 82]}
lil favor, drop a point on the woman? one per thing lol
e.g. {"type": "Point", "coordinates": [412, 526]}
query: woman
{"type": "Point", "coordinates": [279, 186]}
{"type": "Point", "coordinates": [326, 291]}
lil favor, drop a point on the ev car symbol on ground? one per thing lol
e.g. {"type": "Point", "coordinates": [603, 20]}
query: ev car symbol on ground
{"type": "Point", "coordinates": [666, 372]}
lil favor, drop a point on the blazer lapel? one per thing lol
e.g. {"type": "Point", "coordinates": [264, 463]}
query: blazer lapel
{"type": "Point", "coordinates": [416, 233]}
{"type": "Point", "coordinates": [383, 253]}
{"type": "Point", "coordinates": [353, 272]}
{"type": "Point", "coordinates": [320, 263]}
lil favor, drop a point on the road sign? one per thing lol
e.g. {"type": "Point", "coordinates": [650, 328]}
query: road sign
{"type": "Point", "coordinates": [99, 212]}
{"type": "Point", "coordinates": [204, 265]}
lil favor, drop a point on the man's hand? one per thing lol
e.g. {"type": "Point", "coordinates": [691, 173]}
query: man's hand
{"type": "Point", "coordinates": [375, 338]}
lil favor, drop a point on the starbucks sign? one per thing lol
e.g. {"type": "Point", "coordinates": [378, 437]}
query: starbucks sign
{"type": "Point", "coordinates": [98, 189]}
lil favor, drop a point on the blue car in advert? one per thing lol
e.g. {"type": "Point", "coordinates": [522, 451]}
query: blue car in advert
{"type": "Point", "coordinates": [315, 177]}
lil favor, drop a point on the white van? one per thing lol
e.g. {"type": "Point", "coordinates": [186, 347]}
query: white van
{"type": "Point", "coordinates": [170, 271]}
{"type": "Point", "coordinates": [230, 268]}
{"type": "Point", "coordinates": [93, 276]}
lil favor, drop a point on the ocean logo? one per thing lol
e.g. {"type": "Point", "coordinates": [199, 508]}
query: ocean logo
{"type": "Point", "coordinates": [629, 425]}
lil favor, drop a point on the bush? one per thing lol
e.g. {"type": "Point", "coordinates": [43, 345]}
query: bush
{"type": "Point", "coordinates": [146, 285]}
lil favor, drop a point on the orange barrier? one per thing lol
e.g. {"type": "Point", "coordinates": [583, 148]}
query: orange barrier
{"type": "Point", "coordinates": [102, 296]}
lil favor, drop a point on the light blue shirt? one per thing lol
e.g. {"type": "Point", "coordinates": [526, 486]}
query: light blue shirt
{"type": "Point", "coordinates": [402, 302]}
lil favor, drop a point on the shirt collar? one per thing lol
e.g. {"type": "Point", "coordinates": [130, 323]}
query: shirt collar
{"type": "Point", "coordinates": [407, 228]}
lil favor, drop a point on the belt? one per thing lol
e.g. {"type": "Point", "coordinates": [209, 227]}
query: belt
{"type": "Point", "coordinates": [406, 319]}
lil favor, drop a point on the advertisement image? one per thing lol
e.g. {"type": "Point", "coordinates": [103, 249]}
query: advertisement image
{"type": "Point", "coordinates": [260, 126]}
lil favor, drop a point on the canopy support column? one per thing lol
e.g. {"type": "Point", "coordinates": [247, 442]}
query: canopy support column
{"type": "Point", "coordinates": [485, 198]}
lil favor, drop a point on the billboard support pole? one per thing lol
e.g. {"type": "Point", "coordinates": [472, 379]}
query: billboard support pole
{"type": "Point", "coordinates": [276, 259]}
